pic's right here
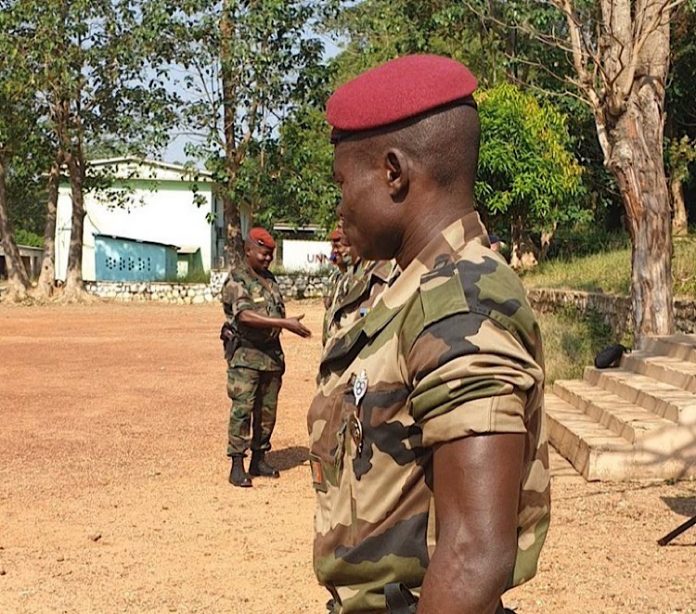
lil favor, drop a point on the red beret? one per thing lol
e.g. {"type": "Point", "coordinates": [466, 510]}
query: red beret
{"type": "Point", "coordinates": [400, 89]}
{"type": "Point", "coordinates": [336, 235]}
{"type": "Point", "coordinates": [262, 237]}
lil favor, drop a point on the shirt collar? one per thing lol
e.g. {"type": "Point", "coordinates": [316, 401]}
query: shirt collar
{"type": "Point", "coordinates": [401, 284]}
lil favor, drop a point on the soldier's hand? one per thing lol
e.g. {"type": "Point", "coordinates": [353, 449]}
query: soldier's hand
{"type": "Point", "coordinates": [295, 326]}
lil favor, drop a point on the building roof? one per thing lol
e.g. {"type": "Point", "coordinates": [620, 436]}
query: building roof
{"type": "Point", "coordinates": [290, 227]}
{"type": "Point", "coordinates": [122, 238]}
{"type": "Point", "coordinates": [130, 167]}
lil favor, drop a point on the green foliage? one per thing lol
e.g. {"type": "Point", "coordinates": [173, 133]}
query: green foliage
{"type": "Point", "coordinates": [571, 340]}
{"type": "Point", "coordinates": [296, 184]}
{"type": "Point", "coordinates": [24, 145]}
{"type": "Point", "coordinates": [683, 269]}
{"type": "Point", "coordinates": [271, 62]}
{"type": "Point", "coordinates": [679, 155]}
{"type": "Point", "coordinates": [28, 238]}
{"type": "Point", "coordinates": [526, 169]}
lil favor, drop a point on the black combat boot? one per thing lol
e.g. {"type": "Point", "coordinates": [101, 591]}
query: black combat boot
{"type": "Point", "coordinates": [239, 477]}
{"type": "Point", "coordinates": [259, 466]}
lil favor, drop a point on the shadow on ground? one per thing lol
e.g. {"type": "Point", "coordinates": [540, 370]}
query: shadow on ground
{"type": "Point", "coordinates": [684, 506]}
{"type": "Point", "coordinates": [287, 458]}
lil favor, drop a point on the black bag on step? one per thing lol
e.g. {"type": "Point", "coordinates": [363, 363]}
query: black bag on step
{"type": "Point", "coordinates": [610, 356]}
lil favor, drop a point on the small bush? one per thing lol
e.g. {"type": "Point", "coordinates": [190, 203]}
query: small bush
{"type": "Point", "coordinates": [28, 238]}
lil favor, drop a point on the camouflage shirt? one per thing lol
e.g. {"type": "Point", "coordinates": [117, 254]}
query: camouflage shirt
{"type": "Point", "coordinates": [451, 348]}
{"type": "Point", "coordinates": [329, 287]}
{"type": "Point", "coordinates": [355, 292]}
{"type": "Point", "coordinates": [259, 347]}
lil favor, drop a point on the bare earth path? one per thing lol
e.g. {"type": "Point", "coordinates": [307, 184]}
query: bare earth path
{"type": "Point", "coordinates": [113, 491]}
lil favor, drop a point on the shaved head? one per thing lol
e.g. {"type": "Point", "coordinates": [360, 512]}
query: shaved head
{"type": "Point", "coordinates": [444, 143]}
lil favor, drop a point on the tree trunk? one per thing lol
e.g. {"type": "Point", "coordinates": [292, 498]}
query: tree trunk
{"type": "Point", "coordinates": [523, 254]}
{"type": "Point", "coordinates": [47, 277]}
{"type": "Point", "coordinates": [234, 246]}
{"type": "Point", "coordinates": [235, 242]}
{"type": "Point", "coordinates": [18, 280]}
{"type": "Point", "coordinates": [74, 285]}
{"type": "Point", "coordinates": [630, 125]}
{"type": "Point", "coordinates": [680, 220]}
{"type": "Point", "coordinates": [636, 161]}
{"type": "Point", "coordinates": [546, 238]}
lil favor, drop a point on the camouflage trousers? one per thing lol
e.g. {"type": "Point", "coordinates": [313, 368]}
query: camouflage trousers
{"type": "Point", "coordinates": [254, 396]}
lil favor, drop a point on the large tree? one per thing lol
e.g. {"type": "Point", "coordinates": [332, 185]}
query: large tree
{"type": "Point", "coordinates": [620, 53]}
{"type": "Point", "coordinates": [528, 180]}
{"type": "Point", "coordinates": [93, 73]}
{"type": "Point", "coordinates": [248, 64]}
{"type": "Point", "coordinates": [17, 117]}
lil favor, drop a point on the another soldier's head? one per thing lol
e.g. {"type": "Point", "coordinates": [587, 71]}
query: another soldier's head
{"type": "Point", "coordinates": [258, 249]}
{"type": "Point", "coordinates": [337, 249]}
{"type": "Point", "coordinates": [346, 254]}
{"type": "Point", "coordinates": [406, 138]}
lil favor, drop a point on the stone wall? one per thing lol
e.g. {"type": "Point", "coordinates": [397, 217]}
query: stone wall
{"type": "Point", "coordinates": [614, 309]}
{"type": "Point", "coordinates": [293, 286]}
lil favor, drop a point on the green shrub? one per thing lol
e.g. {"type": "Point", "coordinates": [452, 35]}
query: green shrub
{"type": "Point", "coordinates": [28, 238]}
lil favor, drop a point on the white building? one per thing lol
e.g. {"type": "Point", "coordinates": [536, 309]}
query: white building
{"type": "Point", "coordinates": [147, 203]}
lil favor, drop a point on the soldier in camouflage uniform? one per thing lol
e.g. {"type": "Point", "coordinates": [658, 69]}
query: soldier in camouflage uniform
{"type": "Point", "coordinates": [340, 267]}
{"type": "Point", "coordinates": [355, 293]}
{"type": "Point", "coordinates": [354, 290]}
{"type": "Point", "coordinates": [255, 315]}
{"type": "Point", "coordinates": [428, 443]}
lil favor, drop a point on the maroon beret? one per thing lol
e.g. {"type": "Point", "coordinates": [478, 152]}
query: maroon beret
{"type": "Point", "coordinates": [261, 236]}
{"type": "Point", "coordinates": [398, 90]}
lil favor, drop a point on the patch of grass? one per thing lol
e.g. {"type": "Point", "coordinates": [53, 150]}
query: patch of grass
{"type": "Point", "coordinates": [684, 267]}
{"type": "Point", "coordinates": [610, 271]}
{"type": "Point", "coordinates": [606, 272]}
{"type": "Point", "coordinates": [571, 341]}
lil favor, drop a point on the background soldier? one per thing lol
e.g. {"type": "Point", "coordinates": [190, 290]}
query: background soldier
{"type": "Point", "coordinates": [355, 293]}
{"type": "Point", "coordinates": [340, 267]}
{"type": "Point", "coordinates": [428, 445]}
{"type": "Point", "coordinates": [255, 315]}
{"type": "Point", "coordinates": [354, 290]}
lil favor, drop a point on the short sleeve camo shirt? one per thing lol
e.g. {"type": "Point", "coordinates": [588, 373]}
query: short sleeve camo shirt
{"type": "Point", "coordinates": [450, 348]}
{"type": "Point", "coordinates": [260, 347]}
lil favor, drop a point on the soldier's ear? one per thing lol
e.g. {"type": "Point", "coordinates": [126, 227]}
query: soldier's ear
{"type": "Point", "coordinates": [396, 173]}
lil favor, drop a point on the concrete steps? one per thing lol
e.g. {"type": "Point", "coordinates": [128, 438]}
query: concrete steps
{"type": "Point", "coordinates": [634, 422]}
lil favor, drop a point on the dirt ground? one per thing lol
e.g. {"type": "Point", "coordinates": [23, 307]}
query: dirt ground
{"type": "Point", "coordinates": [114, 493]}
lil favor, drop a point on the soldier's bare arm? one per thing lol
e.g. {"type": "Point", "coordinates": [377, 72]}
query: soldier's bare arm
{"type": "Point", "coordinates": [476, 484]}
{"type": "Point", "coordinates": [257, 320]}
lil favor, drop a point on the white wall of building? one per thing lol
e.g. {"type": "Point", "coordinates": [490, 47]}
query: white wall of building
{"type": "Point", "coordinates": [158, 209]}
{"type": "Point", "coordinates": [305, 255]}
